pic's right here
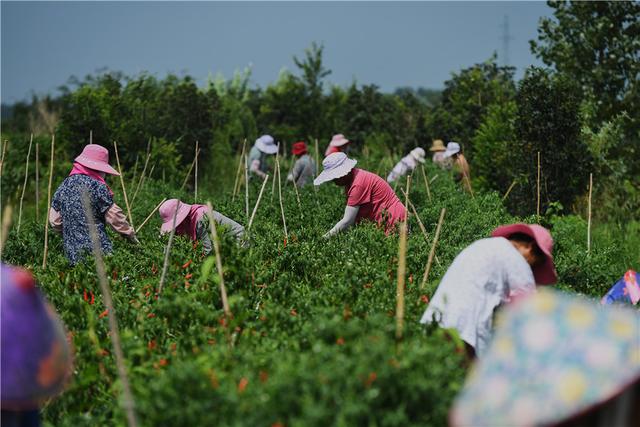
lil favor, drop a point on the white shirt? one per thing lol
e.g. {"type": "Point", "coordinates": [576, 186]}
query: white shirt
{"type": "Point", "coordinates": [485, 274]}
{"type": "Point", "coordinates": [402, 167]}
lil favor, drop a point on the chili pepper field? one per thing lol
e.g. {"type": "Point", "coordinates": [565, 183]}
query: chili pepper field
{"type": "Point", "coordinates": [311, 340]}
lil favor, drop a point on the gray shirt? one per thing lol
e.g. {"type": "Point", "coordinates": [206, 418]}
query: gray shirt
{"type": "Point", "coordinates": [304, 170]}
{"type": "Point", "coordinates": [202, 229]}
{"type": "Point", "coordinates": [257, 162]}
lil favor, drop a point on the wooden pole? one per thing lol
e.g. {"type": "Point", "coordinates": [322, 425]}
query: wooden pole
{"type": "Point", "coordinates": [142, 175]}
{"type": "Point", "coordinates": [238, 181]}
{"type": "Point", "coordinates": [186, 178]}
{"type": "Point", "coordinates": [420, 224]}
{"type": "Point", "coordinates": [295, 187]}
{"type": "Point", "coordinates": [46, 217]}
{"type": "Point", "coordinates": [255, 208]}
{"type": "Point", "coordinates": [426, 182]}
{"type": "Point", "coordinates": [127, 402]}
{"type": "Point", "coordinates": [589, 214]}
{"type": "Point", "coordinates": [513, 184]}
{"type": "Point", "coordinates": [195, 174]}
{"type": "Point", "coordinates": [91, 136]}
{"type": "Point", "coordinates": [167, 250]}
{"type": "Point", "coordinates": [284, 221]}
{"type": "Point", "coordinates": [24, 184]}
{"type": "Point", "coordinates": [37, 182]}
{"type": "Point", "coordinates": [7, 215]}
{"type": "Point", "coordinates": [402, 267]}
{"type": "Point", "coordinates": [538, 188]}
{"type": "Point", "coordinates": [135, 171]}
{"type": "Point", "coordinates": [4, 152]}
{"type": "Point", "coordinates": [124, 190]}
{"type": "Point", "coordinates": [150, 215]}
{"type": "Point", "coordinates": [246, 186]}
{"type": "Point", "coordinates": [433, 249]}
{"type": "Point", "coordinates": [318, 163]}
{"type": "Point", "coordinates": [273, 187]}
{"type": "Point", "coordinates": [216, 247]}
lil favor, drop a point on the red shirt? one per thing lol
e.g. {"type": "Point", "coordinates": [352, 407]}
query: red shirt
{"type": "Point", "coordinates": [376, 199]}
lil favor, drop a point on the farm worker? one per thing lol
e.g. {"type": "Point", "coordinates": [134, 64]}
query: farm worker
{"type": "Point", "coordinates": [36, 359]}
{"type": "Point", "coordinates": [264, 146]}
{"type": "Point", "coordinates": [192, 221]}
{"type": "Point", "coordinates": [67, 214]}
{"type": "Point", "coordinates": [460, 165]}
{"type": "Point", "coordinates": [337, 144]}
{"type": "Point", "coordinates": [488, 273]}
{"type": "Point", "coordinates": [305, 168]}
{"type": "Point", "coordinates": [368, 196]}
{"type": "Point", "coordinates": [408, 163]}
{"type": "Point", "coordinates": [438, 158]}
{"type": "Point", "coordinates": [625, 290]}
{"type": "Point", "coordinates": [556, 360]}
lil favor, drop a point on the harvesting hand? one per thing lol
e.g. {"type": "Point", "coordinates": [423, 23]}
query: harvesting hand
{"type": "Point", "coordinates": [349, 218]}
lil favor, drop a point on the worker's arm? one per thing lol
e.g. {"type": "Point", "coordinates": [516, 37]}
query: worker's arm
{"type": "Point", "coordinates": [55, 220]}
{"type": "Point", "coordinates": [349, 218]}
{"type": "Point", "coordinates": [255, 168]}
{"type": "Point", "coordinates": [118, 221]}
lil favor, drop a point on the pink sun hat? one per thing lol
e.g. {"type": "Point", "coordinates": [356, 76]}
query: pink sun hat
{"type": "Point", "coordinates": [96, 157]}
{"type": "Point", "coordinates": [545, 273]}
{"type": "Point", "coordinates": [338, 140]}
{"type": "Point", "coordinates": [335, 165]}
{"type": "Point", "coordinates": [168, 209]}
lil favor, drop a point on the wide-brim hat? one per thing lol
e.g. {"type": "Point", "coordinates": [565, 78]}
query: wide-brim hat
{"type": "Point", "coordinates": [335, 165]}
{"type": "Point", "coordinates": [168, 209]}
{"type": "Point", "coordinates": [418, 154]}
{"type": "Point", "coordinates": [452, 148]}
{"type": "Point", "coordinates": [553, 357]}
{"type": "Point", "coordinates": [299, 148]}
{"type": "Point", "coordinates": [544, 273]}
{"type": "Point", "coordinates": [438, 145]}
{"type": "Point", "coordinates": [266, 144]}
{"type": "Point", "coordinates": [96, 157]}
{"type": "Point", "coordinates": [338, 140]}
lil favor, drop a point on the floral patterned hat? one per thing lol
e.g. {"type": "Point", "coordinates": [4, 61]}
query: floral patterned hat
{"type": "Point", "coordinates": [553, 357]}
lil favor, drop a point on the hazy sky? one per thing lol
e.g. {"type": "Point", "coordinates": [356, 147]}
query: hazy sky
{"type": "Point", "coordinates": [390, 44]}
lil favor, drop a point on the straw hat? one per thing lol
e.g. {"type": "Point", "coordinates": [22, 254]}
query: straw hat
{"type": "Point", "coordinates": [96, 157]}
{"type": "Point", "coordinates": [452, 148]}
{"type": "Point", "coordinates": [338, 140]}
{"type": "Point", "coordinates": [335, 165]}
{"type": "Point", "coordinates": [418, 154]}
{"type": "Point", "coordinates": [168, 209]}
{"type": "Point", "coordinates": [266, 144]}
{"type": "Point", "coordinates": [438, 145]}
{"type": "Point", "coordinates": [545, 273]}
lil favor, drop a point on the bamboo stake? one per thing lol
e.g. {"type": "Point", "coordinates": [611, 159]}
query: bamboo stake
{"type": "Point", "coordinates": [24, 184]}
{"type": "Point", "coordinates": [124, 190]}
{"type": "Point", "coordinates": [186, 178]}
{"type": "Point", "coordinates": [135, 170]}
{"type": "Point", "coordinates": [4, 152]}
{"type": "Point", "coordinates": [513, 184]}
{"type": "Point", "coordinates": [142, 176]}
{"type": "Point", "coordinates": [432, 252]}
{"type": "Point", "coordinates": [167, 250]}
{"type": "Point", "coordinates": [255, 208]}
{"type": "Point", "coordinates": [246, 186]}
{"type": "Point", "coordinates": [46, 217]}
{"type": "Point", "coordinates": [7, 216]}
{"type": "Point", "coordinates": [433, 179]}
{"type": "Point", "coordinates": [402, 267]}
{"type": "Point", "coordinates": [37, 182]}
{"type": "Point", "coordinates": [420, 224]}
{"type": "Point", "coordinates": [195, 191]}
{"type": "Point", "coordinates": [150, 215]}
{"type": "Point", "coordinates": [90, 136]}
{"type": "Point", "coordinates": [216, 247]}
{"type": "Point", "coordinates": [589, 214]}
{"type": "Point", "coordinates": [128, 402]}
{"type": "Point", "coordinates": [426, 182]}
{"type": "Point", "coordinates": [284, 221]}
{"type": "Point", "coordinates": [538, 187]}
{"type": "Point", "coordinates": [273, 187]}
{"type": "Point", "coordinates": [295, 187]}
{"type": "Point", "coordinates": [238, 181]}
{"type": "Point", "coordinates": [317, 154]}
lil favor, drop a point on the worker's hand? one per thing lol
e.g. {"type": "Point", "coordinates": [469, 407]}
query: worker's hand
{"type": "Point", "coordinates": [133, 239]}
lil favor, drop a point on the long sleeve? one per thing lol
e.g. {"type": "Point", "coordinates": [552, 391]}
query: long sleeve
{"type": "Point", "coordinates": [349, 218]}
{"type": "Point", "coordinates": [118, 221]}
{"type": "Point", "coordinates": [255, 168]}
{"type": "Point", "coordinates": [202, 233]}
{"type": "Point", "coordinates": [236, 229]}
{"type": "Point", "coordinates": [55, 220]}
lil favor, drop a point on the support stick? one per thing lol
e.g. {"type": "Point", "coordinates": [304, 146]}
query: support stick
{"type": "Point", "coordinates": [37, 182]}
{"type": "Point", "coordinates": [273, 187]}
{"type": "Point", "coordinates": [538, 187]}
{"type": "Point", "coordinates": [420, 223]}
{"type": "Point", "coordinates": [255, 208]}
{"type": "Point", "coordinates": [142, 175]}
{"type": "Point", "coordinates": [318, 163]}
{"type": "Point", "coordinates": [124, 190]}
{"type": "Point", "coordinates": [238, 182]}
{"type": "Point", "coordinates": [135, 171]}
{"type": "Point", "coordinates": [402, 267]}
{"type": "Point", "coordinates": [433, 249]}
{"type": "Point", "coordinates": [246, 186]}
{"type": "Point", "coordinates": [150, 215]}
{"type": "Point", "coordinates": [513, 184]}
{"type": "Point", "coordinates": [24, 184]}
{"type": "Point", "coordinates": [195, 179]}
{"type": "Point", "coordinates": [426, 182]}
{"type": "Point", "coordinates": [186, 178]}
{"type": "Point", "coordinates": [295, 187]}
{"type": "Point", "coordinates": [127, 402]}
{"type": "Point", "coordinates": [4, 152]}
{"type": "Point", "coordinates": [167, 250]}
{"type": "Point", "coordinates": [7, 215]}
{"type": "Point", "coordinates": [46, 217]}
{"type": "Point", "coordinates": [589, 214]}
{"type": "Point", "coordinates": [91, 136]}
{"type": "Point", "coordinates": [284, 221]}
{"type": "Point", "coordinates": [216, 247]}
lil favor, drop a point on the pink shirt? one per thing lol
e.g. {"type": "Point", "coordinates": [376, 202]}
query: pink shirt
{"type": "Point", "coordinates": [375, 197]}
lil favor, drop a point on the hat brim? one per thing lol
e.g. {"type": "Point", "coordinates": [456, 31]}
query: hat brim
{"type": "Point", "coordinates": [337, 172]}
{"type": "Point", "coordinates": [95, 165]}
{"type": "Point", "coordinates": [420, 159]}
{"type": "Point", "coordinates": [183, 212]}
{"type": "Point", "coordinates": [267, 149]}
{"type": "Point", "coordinates": [339, 143]}
{"type": "Point", "coordinates": [449, 153]}
{"type": "Point", "coordinates": [437, 149]}
{"type": "Point", "coordinates": [545, 273]}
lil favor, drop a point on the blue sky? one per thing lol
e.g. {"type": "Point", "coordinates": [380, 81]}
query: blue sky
{"type": "Point", "coordinates": [390, 44]}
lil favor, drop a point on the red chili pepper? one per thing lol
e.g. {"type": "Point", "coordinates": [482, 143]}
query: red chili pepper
{"type": "Point", "coordinates": [152, 344]}
{"type": "Point", "coordinates": [188, 276]}
{"type": "Point", "coordinates": [186, 264]}
{"type": "Point", "coordinates": [93, 299]}
{"type": "Point", "coordinates": [85, 296]}
{"type": "Point", "coordinates": [294, 312]}
{"type": "Point", "coordinates": [340, 341]}
{"type": "Point", "coordinates": [104, 313]}
{"type": "Point", "coordinates": [285, 242]}
{"type": "Point", "coordinates": [242, 385]}
{"type": "Point", "coordinates": [151, 315]}
{"type": "Point", "coordinates": [424, 299]}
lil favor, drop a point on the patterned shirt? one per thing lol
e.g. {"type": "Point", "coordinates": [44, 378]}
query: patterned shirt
{"type": "Point", "coordinates": [75, 231]}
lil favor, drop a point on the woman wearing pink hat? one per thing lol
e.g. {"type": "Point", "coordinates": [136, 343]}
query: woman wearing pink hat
{"type": "Point", "coordinates": [192, 221]}
{"type": "Point", "coordinates": [488, 273]}
{"type": "Point", "coordinates": [67, 213]}
{"type": "Point", "coordinates": [338, 144]}
{"type": "Point", "coordinates": [368, 196]}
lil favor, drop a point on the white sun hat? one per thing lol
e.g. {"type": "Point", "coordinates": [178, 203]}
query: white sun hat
{"type": "Point", "coordinates": [338, 140]}
{"type": "Point", "coordinates": [335, 165]}
{"type": "Point", "coordinates": [452, 148]}
{"type": "Point", "coordinates": [418, 154]}
{"type": "Point", "coordinates": [266, 144]}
